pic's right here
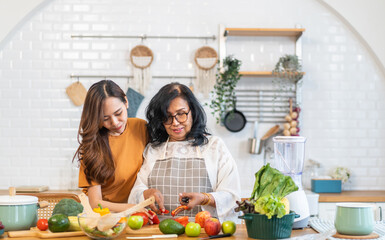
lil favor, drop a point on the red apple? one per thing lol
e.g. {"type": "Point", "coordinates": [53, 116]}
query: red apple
{"type": "Point", "coordinates": [212, 226]}
{"type": "Point", "coordinates": [201, 218]}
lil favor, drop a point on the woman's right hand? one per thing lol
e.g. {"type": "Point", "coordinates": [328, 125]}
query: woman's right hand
{"type": "Point", "coordinates": [159, 199]}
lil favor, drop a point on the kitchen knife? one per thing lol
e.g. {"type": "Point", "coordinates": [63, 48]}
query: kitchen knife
{"type": "Point", "coordinates": [155, 236]}
{"type": "Point", "coordinates": [217, 236]}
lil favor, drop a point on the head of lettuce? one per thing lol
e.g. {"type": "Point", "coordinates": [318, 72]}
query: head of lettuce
{"type": "Point", "coordinates": [270, 189]}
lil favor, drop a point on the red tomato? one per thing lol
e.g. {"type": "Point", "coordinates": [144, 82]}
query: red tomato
{"type": "Point", "coordinates": [143, 215]}
{"type": "Point", "coordinates": [182, 220]}
{"type": "Point", "coordinates": [42, 224]}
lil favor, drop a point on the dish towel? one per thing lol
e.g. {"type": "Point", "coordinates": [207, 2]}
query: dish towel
{"type": "Point", "coordinates": [134, 100]}
{"type": "Point", "coordinates": [325, 226]}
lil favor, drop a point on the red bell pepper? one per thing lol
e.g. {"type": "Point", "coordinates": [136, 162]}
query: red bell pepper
{"type": "Point", "coordinates": [155, 219]}
{"type": "Point", "coordinates": [182, 220]}
{"type": "Point", "coordinates": [178, 210]}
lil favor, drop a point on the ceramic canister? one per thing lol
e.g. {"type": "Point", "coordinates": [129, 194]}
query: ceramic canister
{"type": "Point", "coordinates": [354, 218]}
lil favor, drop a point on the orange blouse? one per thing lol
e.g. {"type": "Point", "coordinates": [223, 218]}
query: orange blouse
{"type": "Point", "coordinates": [127, 152]}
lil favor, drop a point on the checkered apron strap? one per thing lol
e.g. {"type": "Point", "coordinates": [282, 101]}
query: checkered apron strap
{"type": "Point", "coordinates": [173, 175]}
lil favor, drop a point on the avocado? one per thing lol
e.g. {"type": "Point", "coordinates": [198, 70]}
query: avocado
{"type": "Point", "coordinates": [58, 223]}
{"type": "Point", "coordinates": [170, 226]}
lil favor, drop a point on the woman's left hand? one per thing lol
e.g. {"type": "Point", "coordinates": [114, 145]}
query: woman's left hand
{"type": "Point", "coordinates": [194, 199]}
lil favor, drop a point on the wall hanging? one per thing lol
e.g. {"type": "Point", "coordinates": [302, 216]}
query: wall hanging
{"type": "Point", "coordinates": [206, 59]}
{"type": "Point", "coordinates": [77, 93]}
{"type": "Point", "coordinates": [141, 58]}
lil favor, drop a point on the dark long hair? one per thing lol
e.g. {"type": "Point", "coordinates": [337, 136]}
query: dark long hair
{"type": "Point", "coordinates": [94, 150]}
{"type": "Point", "coordinates": [156, 113]}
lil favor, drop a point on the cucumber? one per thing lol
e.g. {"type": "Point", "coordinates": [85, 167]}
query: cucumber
{"type": "Point", "coordinates": [170, 226]}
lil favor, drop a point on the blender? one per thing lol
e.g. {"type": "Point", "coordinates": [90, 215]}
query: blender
{"type": "Point", "coordinates": [289, 155]}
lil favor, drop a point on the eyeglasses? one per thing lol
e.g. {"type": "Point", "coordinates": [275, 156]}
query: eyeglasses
{"type": "Point", "coordinates": [180, 117]}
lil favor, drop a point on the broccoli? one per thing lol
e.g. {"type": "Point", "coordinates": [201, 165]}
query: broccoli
{"type": "Point", "coordinates": [68, 207]}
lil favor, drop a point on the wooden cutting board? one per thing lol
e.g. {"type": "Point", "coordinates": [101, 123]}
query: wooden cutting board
{"type": "Point", "coordinates": [34, 232]}
{"type": "Point", "coordinates": [77, 93]}
{"type": "Point", "coordinates": [148, 230]}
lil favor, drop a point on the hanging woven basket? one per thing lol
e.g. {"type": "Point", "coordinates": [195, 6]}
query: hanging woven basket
{"type": "Point", "coordinates": [144, 54]}
{"type": "Point", "coordinates": [206, 58]}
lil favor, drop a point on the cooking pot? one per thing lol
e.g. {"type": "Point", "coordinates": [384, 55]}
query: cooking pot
{"type": "Point", "coordinates": [19, 212]}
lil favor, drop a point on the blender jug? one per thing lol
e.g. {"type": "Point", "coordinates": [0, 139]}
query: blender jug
{"type": "Point", "coordinates": [289, 155]}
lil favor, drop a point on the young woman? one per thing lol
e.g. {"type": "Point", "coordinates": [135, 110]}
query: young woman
{"type": "Point", "coordinates": [183, 161]}
{"type": "Point", "coordinates": [111, 147]}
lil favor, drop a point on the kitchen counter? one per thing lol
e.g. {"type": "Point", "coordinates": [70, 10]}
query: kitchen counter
{"type": "Point", "coordinates": [353, 196]}
{"type": "Point", "coordinates": [241, 233]}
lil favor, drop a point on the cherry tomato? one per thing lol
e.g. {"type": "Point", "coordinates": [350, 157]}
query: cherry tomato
{"type": "Point", "coordinates": [42, 224]}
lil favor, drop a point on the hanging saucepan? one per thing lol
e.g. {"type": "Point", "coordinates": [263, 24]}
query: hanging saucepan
{"type": "Point", "coordinates": [234, 120]}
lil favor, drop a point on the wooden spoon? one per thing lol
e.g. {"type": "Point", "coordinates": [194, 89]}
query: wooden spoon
{"type": "Point", "coordinates": [92, 217]}
{"type": "Point", "coordinates": [270, 132]}
{"type": "Point", "coordinates": [109, 220]}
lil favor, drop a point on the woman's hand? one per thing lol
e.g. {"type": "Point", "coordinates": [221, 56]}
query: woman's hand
{"type": "Point", "coordinates": [194, 199]}
{"type": "Point", "coordinates": [159, 199]}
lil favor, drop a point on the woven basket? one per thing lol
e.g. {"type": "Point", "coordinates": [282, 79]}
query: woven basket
{"type": "Point", "coordinates": [206, 52]}
{"type": "Point", "coordinates": [141, 51]}
{"type": "Point", "coordinates": [52, 199]}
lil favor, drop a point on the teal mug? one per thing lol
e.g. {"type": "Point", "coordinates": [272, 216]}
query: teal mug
{"type": "Point", "coordinates": [354, 218]}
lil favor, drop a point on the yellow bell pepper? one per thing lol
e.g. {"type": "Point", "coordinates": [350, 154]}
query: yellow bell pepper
{"type": "Point", "coordinates": [102, 211]}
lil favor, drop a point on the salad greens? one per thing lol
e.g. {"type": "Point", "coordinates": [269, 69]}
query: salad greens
{"type": "Point", "coordinates": [269, 188]}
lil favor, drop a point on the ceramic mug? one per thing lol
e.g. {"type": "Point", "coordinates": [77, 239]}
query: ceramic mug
{"type": "Point", "coordinates": [354, 218]}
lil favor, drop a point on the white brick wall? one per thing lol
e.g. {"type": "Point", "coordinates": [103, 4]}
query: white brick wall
{"type": "Point", "coordinates": [343, 102]}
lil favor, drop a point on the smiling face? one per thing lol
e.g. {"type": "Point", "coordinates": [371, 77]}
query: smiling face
{"type": "Point", "coordinates": [115, 115]}
{"type": "Point", "coordinates": [178, 131]}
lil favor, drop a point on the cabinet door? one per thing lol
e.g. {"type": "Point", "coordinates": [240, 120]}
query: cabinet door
{"type": "Point", "coordinates": [327, 211]}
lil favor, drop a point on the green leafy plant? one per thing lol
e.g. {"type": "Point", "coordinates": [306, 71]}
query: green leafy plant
{"type": "Point", "coordinates": [224, 99]}
{"type": "Point", "coordinates": [288, 67]}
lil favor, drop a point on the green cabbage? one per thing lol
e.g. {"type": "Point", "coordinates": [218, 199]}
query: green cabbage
{"type": "Point", "coordinates": [269, 188]}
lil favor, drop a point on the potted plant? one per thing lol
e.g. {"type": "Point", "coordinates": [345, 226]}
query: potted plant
{"type": "Point", "coordinates": [288, 67]}
{"type": "Point", "coordinates": [224, 88]}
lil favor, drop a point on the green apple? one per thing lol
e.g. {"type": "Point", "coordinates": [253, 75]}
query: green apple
{"type": "Point", "coordinates": [229, 227]}
{"type": "Point", "coordinates": [193, 229]}
{"type": "Point", "coordinates": [135, 222]}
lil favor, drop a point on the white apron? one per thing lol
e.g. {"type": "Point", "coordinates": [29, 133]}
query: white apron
{"type": "Point", "coordinates": [174, 175]}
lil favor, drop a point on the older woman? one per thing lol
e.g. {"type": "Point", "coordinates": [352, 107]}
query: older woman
{"type": "Point", "coordinates": [183, 161]}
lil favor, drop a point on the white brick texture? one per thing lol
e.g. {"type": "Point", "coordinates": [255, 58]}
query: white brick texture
{"type": "Point", "coordinates": [343, 112]}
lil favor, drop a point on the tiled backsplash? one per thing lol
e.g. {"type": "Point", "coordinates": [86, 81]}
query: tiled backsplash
{"type": "Point", "coordinates": [343, 112]}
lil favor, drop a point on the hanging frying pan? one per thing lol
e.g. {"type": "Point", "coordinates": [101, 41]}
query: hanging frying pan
{"type": "Point", "coordinates": [235, 121]}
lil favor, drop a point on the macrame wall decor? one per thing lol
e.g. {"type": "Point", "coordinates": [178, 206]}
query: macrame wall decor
{"type": "Point", "coordinates": [141, 58]}
{"type": "Point", "coordinates": [206, 59]}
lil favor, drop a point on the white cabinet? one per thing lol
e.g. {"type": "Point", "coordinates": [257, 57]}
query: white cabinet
{"type": "Point", "coordinates": [327, 211]}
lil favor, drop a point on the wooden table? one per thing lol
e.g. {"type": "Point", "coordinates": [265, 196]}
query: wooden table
{"type": "Point", "coordinates": [241, 233]}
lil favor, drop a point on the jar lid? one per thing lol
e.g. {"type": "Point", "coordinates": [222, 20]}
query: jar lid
{"type": "Point", "coordinates": [289, 139]}
{"type": "Point", "coordinates": [17, 200]}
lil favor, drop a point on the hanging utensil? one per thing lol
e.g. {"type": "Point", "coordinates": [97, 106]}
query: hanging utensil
{"type": "Point", "coordinates": [255, 147]}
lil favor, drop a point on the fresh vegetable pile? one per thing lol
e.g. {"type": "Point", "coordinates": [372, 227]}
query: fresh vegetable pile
{"type": "Point", "coordinates": [268, 196]}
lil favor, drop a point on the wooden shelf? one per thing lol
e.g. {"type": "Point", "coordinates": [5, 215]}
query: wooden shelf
{"type": "Point", "coordinates": [267, 32]}
{"type": "Point", "coordinates": [257, 74]}
{"type": "Point", "coordinates": [353, 196]}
